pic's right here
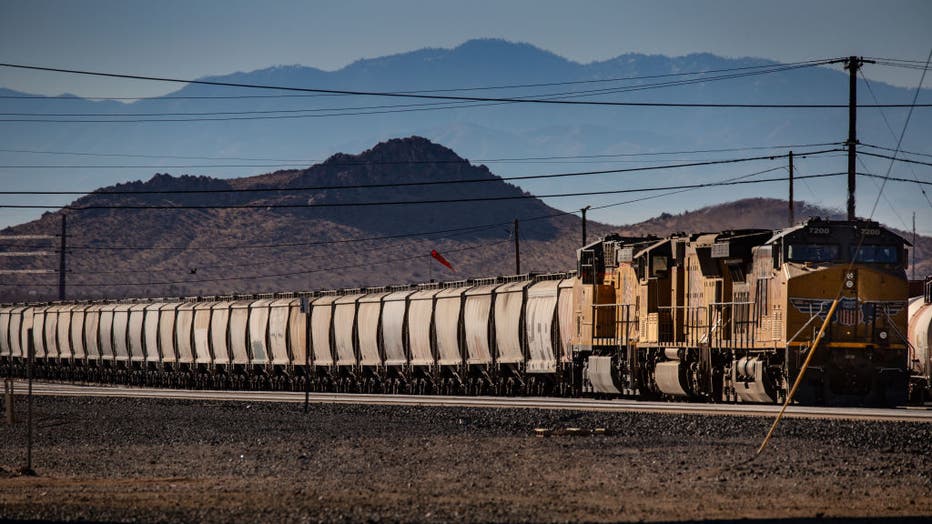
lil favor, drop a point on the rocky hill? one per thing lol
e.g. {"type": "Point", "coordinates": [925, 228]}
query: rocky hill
{"type": "Point", "coordinates": [287, 235]}
{"type": "Point", "coordinates": [282, 231]}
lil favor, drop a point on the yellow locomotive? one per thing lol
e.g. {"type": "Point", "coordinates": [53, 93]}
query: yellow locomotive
{"type": "Point", "coordinates": [731, 316]}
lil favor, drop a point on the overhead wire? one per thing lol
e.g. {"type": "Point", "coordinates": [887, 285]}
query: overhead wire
{"type": "Point", "coordinates": [443, 90]}
{"type": "Point", "coordinates": [265, 246]}
{"type": "Point", "coordinates": [426, 96]}
{"type": "Point", "coordinates": [899, 141]}
{"type": "Point", "coordinates": [914, 153]}
{"type": "Point", "coordinates": [380, 203]}
{"type": "Point", "coordinates": [381, 162]}
{"type": "Point", "coordinates": [489, 226]}
{"type": "Point", "coordinates": [897, 159]}
{"type": "Point", "coordinates": [547, 96]}
{"type": "Point", "coordinates": [678, 191]}
{"type": "Point", "coordinates": [872, 178]}
{"type": "Point", "coordinates": [413, 184]}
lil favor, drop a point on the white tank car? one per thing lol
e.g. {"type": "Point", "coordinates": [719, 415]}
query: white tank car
{"type": "Point", "coordinates": [920, 337]}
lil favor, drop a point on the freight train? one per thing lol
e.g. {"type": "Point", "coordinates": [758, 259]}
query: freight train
{"type": "Point", "coordinates": [717, 317]}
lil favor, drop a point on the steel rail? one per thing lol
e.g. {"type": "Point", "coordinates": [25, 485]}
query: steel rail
{"type": "Point", "coordinates": [912, 414]}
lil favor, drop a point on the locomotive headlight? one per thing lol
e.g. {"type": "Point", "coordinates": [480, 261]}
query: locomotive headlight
{"type": "Point", "coordinates": [850, 277]}
{"type": "Point", "coordinates": [882, 335]}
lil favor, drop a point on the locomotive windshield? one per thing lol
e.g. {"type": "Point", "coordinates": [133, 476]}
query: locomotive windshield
{"type": "Point", "coordinates": [866, 254]}
{"type": "Point", "coordinates": [875, 254]}
{"type": "Point", "coordinates": [812, 252]}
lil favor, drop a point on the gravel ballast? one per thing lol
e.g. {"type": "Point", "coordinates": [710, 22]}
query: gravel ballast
{"type": "Point", "coordinates": [115, 459]}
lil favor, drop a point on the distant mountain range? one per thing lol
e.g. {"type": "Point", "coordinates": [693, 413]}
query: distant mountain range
{"type": "Point", "coordinates": [289, 236]}
{"type": "Point", "coordinates": [247, 131]}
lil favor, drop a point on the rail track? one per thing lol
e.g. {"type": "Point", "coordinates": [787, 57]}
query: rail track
{"type": "Point", "coordinates": [911, 413]}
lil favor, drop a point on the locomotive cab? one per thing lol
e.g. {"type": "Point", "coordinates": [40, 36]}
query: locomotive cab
{"type": "Point", "coordinates": [863, 356]}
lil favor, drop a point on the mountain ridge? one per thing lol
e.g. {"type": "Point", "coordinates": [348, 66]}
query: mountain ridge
{"type": "Point", "coordinates": [308, 125]}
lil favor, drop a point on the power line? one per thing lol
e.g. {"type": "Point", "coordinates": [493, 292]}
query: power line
{"type": "Point", "coordinates": [380, 203]}
{"type": "Point", "coordinates": [905, 160]}
{"type": "Point", "coordinates": [899, 141]}
{"type": "Point", "coordinates": [548, 96]}
{"type": "Point", "coordinates": [903, 64]}
{"type": "Point", "coordinates": [488, 226]}
{"type": "Point", "coordinates": [885, 197]}
{"type": "Point", "coordinates": [897, 179]}
{"type": "Point", "coordinates": [491, 226]}
{"type": "Point", "coordinates": [434, 96]}
{"type": "Point", "coordinates": [344, 267]}
{"type": "Point", "coordinates": [378, 162]}
{"type": "Point", "coordinates": [901, 150]}
{"type": "Point", "coordinates": [742, 177]}
{"type": "Point", "coordinates": [368, 263]}
{"type": "Point", "coordinates": [446, 90]}
{"type": "Point", "coordinates": [477, 228]}
{"type": "Point", "coordinates": [408, 184]}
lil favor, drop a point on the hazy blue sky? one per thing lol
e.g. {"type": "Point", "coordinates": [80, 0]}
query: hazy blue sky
{"type": "Point", "coordinates": [196, 38]}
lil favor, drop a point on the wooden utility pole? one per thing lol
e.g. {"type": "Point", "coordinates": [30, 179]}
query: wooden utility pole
{"type": "Point", "coordinates": [914, 246]}
{"type": "Point", "coordinates": [517, 250]}
{"type": "Point", "coordinates": [792, 218]}
{"type": "Point", "coordinates": [61, 257]}
{"type": "Point", "coordinates": [852, 64]}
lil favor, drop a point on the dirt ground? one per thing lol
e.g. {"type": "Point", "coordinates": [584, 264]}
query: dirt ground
{"type": "Point", "coordinates": [180, 461]}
